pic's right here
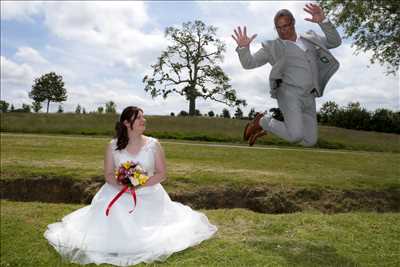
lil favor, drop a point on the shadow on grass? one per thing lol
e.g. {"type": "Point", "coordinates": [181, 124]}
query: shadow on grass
{"type": "Point", "coordinates": [302, 253]}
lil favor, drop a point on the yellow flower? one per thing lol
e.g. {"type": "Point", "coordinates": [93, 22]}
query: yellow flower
{"type": "Point", "coordinates": [143, 179]}
{"type": "Point", "coordinates": [126, 165]}
{"type": "Point", "coordinates": [136, 175]}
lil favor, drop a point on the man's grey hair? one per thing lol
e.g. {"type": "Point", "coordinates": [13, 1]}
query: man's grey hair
{"type": "Point", "coordinates": [284, 13]}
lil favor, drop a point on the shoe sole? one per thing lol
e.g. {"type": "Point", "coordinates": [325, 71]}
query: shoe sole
{"type": "Point", "coordinates": [246, 138]}
{"type": "Point", "coordinates": [253, 138]}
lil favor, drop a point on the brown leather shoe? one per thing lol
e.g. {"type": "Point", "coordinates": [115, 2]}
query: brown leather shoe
{"type": "Point", "coordinates": [252, 127]}
{"type": "Point", "coordinates": [254, 137]}
{"type": "Point", "coordinates": [245, 136]}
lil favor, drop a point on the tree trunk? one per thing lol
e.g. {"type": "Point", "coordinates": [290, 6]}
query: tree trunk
{"type": "Point", "coordinates": [192, 106]}
{"type": "Point", "coordinates": [48, 104]}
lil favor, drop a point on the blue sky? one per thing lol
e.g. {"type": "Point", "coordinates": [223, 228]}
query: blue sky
{"type": "Point", "coordinates": [103, 50]}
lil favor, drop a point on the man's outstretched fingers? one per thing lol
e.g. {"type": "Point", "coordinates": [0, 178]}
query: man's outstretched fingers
{"type": "Point", "coordinates": [253, 37]}
{"type": "Point", "coordinates": [240, 31]}
{"type": "Point", "coordinates": [234, 38]}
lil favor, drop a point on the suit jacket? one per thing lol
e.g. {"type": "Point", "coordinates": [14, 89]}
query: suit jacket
{"type": "Point", "coordinates": [273, 52]}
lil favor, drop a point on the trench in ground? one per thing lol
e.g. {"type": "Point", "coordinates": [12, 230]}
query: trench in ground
{"type": "Point", "coordinates": [264, 199]}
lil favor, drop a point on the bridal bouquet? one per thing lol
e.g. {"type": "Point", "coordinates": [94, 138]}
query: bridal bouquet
{"type": "Point", "coordinates": [131, 175]}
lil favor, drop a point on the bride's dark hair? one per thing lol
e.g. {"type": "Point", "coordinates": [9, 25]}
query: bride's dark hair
{"type": "Point", "coordinates": [121, 132]}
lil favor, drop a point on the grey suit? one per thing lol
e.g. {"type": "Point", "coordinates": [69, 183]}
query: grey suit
{"type": "Point", "coordinates": [296, 78]}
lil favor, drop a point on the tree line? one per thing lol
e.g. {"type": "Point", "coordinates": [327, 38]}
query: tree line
{"type": "Point", "coordinates": [354, 116]}
{"type": "Point", "coordinates": [110, 107]}
{"type": "Point", "coordinates": [238, 114]}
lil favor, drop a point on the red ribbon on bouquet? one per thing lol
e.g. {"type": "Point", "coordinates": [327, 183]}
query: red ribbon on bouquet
{"type": "Point", "coordinates": [123, 190]}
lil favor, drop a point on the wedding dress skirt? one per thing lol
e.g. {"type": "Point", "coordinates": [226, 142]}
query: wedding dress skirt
{"type": "Point", "coordinates": [156, 228]}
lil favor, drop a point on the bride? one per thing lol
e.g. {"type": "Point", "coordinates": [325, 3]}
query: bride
{"type": "Point", "coordinates": [157, 226]}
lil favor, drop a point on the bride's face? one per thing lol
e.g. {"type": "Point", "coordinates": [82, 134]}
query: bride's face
{"type": "Point", "coordinates": [139, 125]}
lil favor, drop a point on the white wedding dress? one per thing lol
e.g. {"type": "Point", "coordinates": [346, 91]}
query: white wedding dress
{"type": "Point", "coordinates": [155, 229]}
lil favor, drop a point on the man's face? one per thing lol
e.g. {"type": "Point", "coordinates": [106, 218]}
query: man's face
{"type": "Point", "coordinates": [285, 29]}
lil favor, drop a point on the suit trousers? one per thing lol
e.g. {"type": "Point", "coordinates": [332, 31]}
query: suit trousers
{"type": "Point", "coordinates": [300, 117]}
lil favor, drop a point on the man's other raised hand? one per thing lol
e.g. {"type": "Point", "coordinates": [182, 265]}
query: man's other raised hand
{"type": "Point", "coordinates": [241, 38]}
{"type": "Point", "coordinates": [316, 12]}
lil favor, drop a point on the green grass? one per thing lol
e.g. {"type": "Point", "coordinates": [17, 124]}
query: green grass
{"type": "Point", "coordinates": [244, 238]}
{"type": "Point", "coordinates": [189, 128]}
{"type": "Point", "coordinates": [192, 165]}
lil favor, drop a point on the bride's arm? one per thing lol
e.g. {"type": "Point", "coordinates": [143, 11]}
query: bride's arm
{"type": "Point", "coordinates": [160, 172]}
{"type": "Point", "coordinates": [109, 168]}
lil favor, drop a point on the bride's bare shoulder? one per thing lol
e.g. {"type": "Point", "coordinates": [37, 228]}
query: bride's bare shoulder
{"type": "Point", "coordinates": [112, 144]}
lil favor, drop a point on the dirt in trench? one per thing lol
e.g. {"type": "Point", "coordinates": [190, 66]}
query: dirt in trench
{"type": "Point", "coordinates": [264, 199]}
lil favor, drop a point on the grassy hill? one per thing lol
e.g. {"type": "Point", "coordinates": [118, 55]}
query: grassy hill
{"type": "Point", "coordinates": [339, 180]}
{"type": "Point", "coordinates": [189, 128]}
{"type": "Point", "coordinates": [192, 165]}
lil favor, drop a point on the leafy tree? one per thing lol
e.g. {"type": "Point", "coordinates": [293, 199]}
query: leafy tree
{"type": "Point", "coordinates": [328, 111]}
{"type": "Point", "coordinates": [189, 67]}
{"type": "Point", "coordinates": [354, 106]}
{"type": "Point", "coordinates": [12, 109]}
{"type": "Point", "coordinates": [78, 109]}
{"type": "Point", "coordinates": [19, 110]}
{"type": "Point", "coordinates": [373, 25]}
{"type": "Point", "coordinates": [238, 113]}
{"type": "Point", "coordinates": [172, 114]}
{"type": "Point", "coordinates": [197, 112]}
{"type": "Point", "coordinates": [354, 117]}
{"type": "Point", "coordinates": [60, 109]}
{"type": "Point", "coordinates": [111, 107]}
{"type": "Point", "coordinates": [211, 113]}
{"type": "Point", "coordinates": [225, 113]}
{"type": "Point", "coordinates": [26, 108]}
{"type": "Point", "coordinates": [252, 114]}
{"type": "Point", "coordinates": [396, 122]}
{"type": "Point", "coordinates": [4, 106]}
{"type": "Point", "coordinates": [49, 87]}
{"type": "Point", "coordinates": [383, 120]}
{"type": "Point", "coordinates": [183, 113]}
{"type": "Point", "coordinates": [83, 111]}
{"type": "Point", "coordinates": [36, 106]}
{"type": "Point", "coordinates": [100, 110]}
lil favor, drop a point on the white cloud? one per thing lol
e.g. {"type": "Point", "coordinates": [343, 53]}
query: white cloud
{"type": "Point", "coordinates": [110, 31]}
{"type": "Point", "coordinates": [30, 55]}
{"type": "Point", "coordinates": [18, 74]}
{"type": "Point", "coordinates": [20, 10]}
{"type": "Point", "coordinates": [16, 81]}
{"type": "Point", "coordinates": [113, 30]}
{"type": "Point", "coordinates": [357, 80]}
{"type": "Point", "coordinates": [103, 49]}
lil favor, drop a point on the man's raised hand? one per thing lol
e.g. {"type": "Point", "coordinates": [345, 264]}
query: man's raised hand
{"type": "Point", "coordinates": [316, 12]}
{"type": "Point", "coordinates": [241, 38]}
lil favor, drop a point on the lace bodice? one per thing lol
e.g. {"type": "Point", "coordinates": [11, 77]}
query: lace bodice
{"type": "Point", "coordinates": [145, 156]}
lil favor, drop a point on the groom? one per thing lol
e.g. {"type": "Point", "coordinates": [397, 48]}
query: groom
{"type": "Point", "coordinates": [301, 68]}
